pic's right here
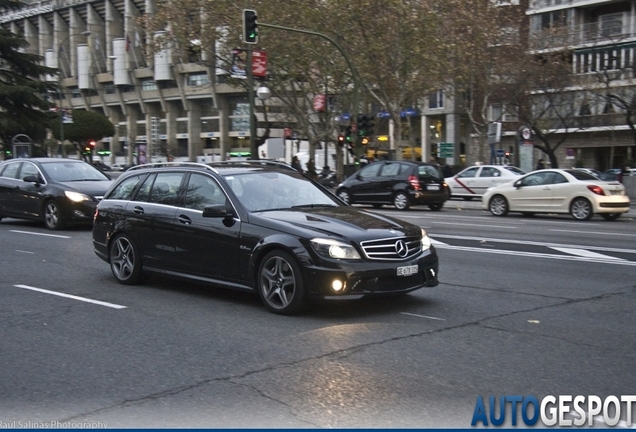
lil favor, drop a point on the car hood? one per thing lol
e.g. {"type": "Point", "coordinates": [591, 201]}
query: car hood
{"type": "Point", "coordinates": [341, 221]}
{"type": "Point", "coordinates": [92, 188]}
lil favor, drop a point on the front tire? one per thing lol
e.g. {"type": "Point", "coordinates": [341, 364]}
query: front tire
{"type": "Point", "coordinates": [401, 201]}
{"type": "Point", "coordinates": [52, 216]}
{"type": "Point", "coordinates": [125, 261]}
{"type": "Point", "coordinates": [343, 194]}
{"type": "Point", "coordinates": [581, 209]}
{"type": "Point", "coordinates": [280, 284]}
{"type": "Point", "coordinates": [611, 216]}
{"type": "Point", "coordinates": [498, 205]}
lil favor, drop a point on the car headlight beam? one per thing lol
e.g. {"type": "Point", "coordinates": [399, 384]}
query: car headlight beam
{"type": "Point", "coordinates": [330, 248]}
{"type": "Point", "coordinates": [76, 196]}
{"type": "Point", "coordinates": [426, 241]}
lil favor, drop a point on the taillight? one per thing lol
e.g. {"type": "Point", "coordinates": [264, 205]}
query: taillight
{"type": "Point", "coordinates": [596, 189]}
{"type": "Point", "coordinates": [415, 182]}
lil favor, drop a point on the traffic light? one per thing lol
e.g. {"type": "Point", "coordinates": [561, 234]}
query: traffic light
{"type": "Point", "coordinates": [250, 26]}
{"type": "Point", "coordinates": [364, 141]}
{"type": "Point", "coordinates": [348, 134]}
{"type": "Point", "coordinates": [92, 144]}
{"type": "Point", "coordinates": [362, 125]}
{"type": "Point", "coordinates": [370, 123]}
{"type": "Point", "coordinates": [341, 140]}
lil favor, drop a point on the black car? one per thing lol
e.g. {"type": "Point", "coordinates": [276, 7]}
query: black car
{"type": "Point", "coordinates": [257, 226]}
{"type": "Point", "coordinates": [57, 191]}
{"type": "Point", "coordinates": [397, 183]}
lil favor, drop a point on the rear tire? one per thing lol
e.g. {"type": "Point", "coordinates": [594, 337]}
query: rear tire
{"type": "Point", "coordinates": [125, 260]}
{"type": "Point", "coordinates": [581, 209]}
{"type": "Point", "coordinates": [401, 201]}
{"type": "Point", "coordinates": [498, 205]}
{"type": "Point", "coordinates": [436, 206]}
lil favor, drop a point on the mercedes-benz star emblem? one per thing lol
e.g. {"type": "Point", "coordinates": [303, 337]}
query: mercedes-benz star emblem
{"type": "Point", "coordinates": [400, 248]}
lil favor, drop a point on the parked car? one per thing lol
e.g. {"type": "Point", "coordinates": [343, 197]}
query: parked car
{"type": "Point", "coordinates": [473, 181]}
{"type": "Point", "coordinates": [258, 226]}
{"type": "Point", "coordinates": [558, 191]}
{"type": "Point", "coordinates": [397, 183]}
{"type": "Point", "coordinates": [57, 191]}
{"type": "Point", "coordinates": [101, 166]}
{"type": "Point", "coordinates": [596, 173]}
{"type": "Point", "coordinates": [117, 167]}
{"type": "Point", "coordinates": [611, 174]}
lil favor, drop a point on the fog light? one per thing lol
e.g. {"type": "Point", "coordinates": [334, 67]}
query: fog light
{"type": "Point", "coordinates": [337, 285]}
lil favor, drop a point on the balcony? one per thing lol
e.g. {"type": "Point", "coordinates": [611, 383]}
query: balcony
{"type": "Point", "coordinates": [560, 4]}
{"type": "Point", "coordinates": [606, 32]}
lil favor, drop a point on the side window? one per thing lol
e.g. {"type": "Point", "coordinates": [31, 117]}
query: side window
{"type": "Point", "coordinates": [144, 191]}
{"type": "Point", "coordinates": [28, 169]}
{"type": "Point", "coordinates": [489, 172]}
{"type": "Point", "coordinates": [370, 170]}
{"type": "Point", "coordinates": [202, 191]}
{"type": "Point", "coordinates": [559, 178]}
{"type": "Point", "coordinates": [125, 189]}
{"type": "Point", "coordinates": [539, 178]}
{"type": "Point", "coordinates": [11, 171]}
{"type": "Point", "coordinates": [470, 172]}
{"type": "Point", "coordinates": [165, 188]}
{"type": "Point", "coordinates": [391, 169]}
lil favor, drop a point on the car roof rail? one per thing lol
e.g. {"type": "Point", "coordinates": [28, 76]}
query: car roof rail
{"type": "Point", "coordinates": [173, 164]}
{"type": "Point", "coordinates": [253, 162]}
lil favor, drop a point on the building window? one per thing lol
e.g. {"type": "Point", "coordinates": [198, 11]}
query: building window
{"type": "Point", "coordinates": [148, 85]}
{"type": "Point", "coordinates": [198, 79]}
{"type": "Point", "coordinates": [110, 88]}
{"type": "Point", "coordinates": [436, 99]}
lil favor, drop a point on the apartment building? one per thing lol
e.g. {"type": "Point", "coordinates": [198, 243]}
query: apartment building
{"type": "Point", "coordinates": [107, 65]}
{"type": "Point", "coordinates": [600, 37]}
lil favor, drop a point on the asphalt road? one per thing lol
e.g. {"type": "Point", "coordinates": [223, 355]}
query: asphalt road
{"type": "Point", "coordinates": [526, 306]}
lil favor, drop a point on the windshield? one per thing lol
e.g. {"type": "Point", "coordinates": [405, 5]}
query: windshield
{"type": "Point", "coordinates": [267, 190]}
{"type": "Point", "coordinates": [65, 171]}
{"type": "Point", "coordinates": [581, 175]}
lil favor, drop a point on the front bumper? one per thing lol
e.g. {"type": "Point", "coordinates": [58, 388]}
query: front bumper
{"type": "Point", "coordinates": [372, 278]}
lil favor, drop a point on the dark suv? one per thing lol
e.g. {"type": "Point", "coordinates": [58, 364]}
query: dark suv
{"type": "Point", "coordinates": [258, 226]}
{"type": "Point", "coordinates": [397, 183]}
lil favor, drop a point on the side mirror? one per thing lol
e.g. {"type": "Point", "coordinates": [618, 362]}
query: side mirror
{"type": "Point", "coordinates": [216, 211]}
{"type": "Point", "coordinates": [32, 179]}
{"type": "Point", "coordinates": [518, 184]}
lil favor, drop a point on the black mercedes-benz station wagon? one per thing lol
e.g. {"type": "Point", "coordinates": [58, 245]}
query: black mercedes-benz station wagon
{"type": "Point", "coordinates": [258, 226]}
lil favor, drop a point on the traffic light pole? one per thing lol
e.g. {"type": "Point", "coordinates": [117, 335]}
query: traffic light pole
{"type": "Point", "coordinates": [354, 75]}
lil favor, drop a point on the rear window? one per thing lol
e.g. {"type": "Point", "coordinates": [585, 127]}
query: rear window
{"type": "Point", "coordinates": [581, 175]}
{"type": "Point", "coordinates": [514, 170]}
{"type": "Point", "coordinates": [429, 171]}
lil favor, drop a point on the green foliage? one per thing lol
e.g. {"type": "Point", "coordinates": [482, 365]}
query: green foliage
{"type": "Point", "coordinates": [22, 107]}
{"type": "Point", "coordinates": [86, 126]}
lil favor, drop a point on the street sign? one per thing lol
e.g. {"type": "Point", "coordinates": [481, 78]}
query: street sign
{"type": "Point", "coordinates": [500, 153]}
{"type": "Point", "coordinates": [446, 150]}
{"type": "Point", "coordinates": [259, 64]}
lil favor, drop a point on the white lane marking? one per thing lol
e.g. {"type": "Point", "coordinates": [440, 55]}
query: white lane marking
{"type": "Point", "coordinates": [539, 255]}
{"type": "Point", "coordinates": [40, 234]}
{"type": "Point", "coordinates": [84, 299]}
{"type": "Point", "coordinates": [422, 316]}
{"type": "Point", "coordinates": [533, 243]}
{"type": "Point", "coordinates": [584, 253]}
{"type": "Point", "coordinates": [593, 232]}
{"type": "Point", "coordinates": [472, 225]}
{"type": "Point", "coordinates": [27, 252]}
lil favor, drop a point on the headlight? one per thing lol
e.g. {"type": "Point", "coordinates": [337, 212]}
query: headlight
{"type": "Point", "coordinates": [426, 241]}
{"type": "Point", "coordinates": [77, 197]}
{"type": "Point", "coordinates": [334, 249]}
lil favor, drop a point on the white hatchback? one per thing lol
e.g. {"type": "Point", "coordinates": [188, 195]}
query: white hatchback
{"type": "Point", "coordinates": [558, 191]}
{"type": "Point", "coordinates": [473, 181]}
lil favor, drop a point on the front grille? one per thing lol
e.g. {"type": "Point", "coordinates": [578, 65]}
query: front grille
{"type": "Point", "coordinates": [396, 248]}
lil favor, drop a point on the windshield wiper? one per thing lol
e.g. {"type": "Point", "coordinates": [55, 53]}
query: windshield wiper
{"type": "Point", "coordinates": [314, 205]}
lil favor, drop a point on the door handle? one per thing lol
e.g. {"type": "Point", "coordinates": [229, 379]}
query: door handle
{"type": "Point", "coordinates": [138, 210]}
{"type": "Point", "coordinates": [184, 220]}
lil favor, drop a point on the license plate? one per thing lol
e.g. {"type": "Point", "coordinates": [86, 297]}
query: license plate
{"type": "Point", "coordinates": [407, 270]}
{"type": "Point", "coordinates": [432, 187]}
{"type": "Point", "coordinates": [616, 192]}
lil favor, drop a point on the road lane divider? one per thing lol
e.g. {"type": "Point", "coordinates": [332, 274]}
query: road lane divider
{"type": "Point", "coordinates": [70, 296]}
